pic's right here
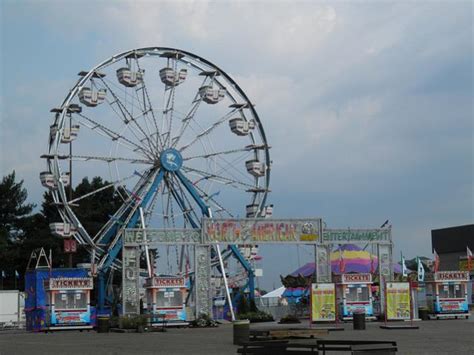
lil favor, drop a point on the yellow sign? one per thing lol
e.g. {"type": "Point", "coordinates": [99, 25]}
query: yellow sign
{"type": "Point", "coordinates": [323, 302]}
{"type": "Point", "coordinates": [398, 301]}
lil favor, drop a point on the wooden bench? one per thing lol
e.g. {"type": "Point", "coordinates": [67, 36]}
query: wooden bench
{"type": "Point", "coordinates": [358, 346]}
{"type": "Point", "coordinates": [297, 333]}
{"type": "Point", "coordinates": [270, 347]}
{"type": "Point", "coordinates": [259, 335]}
{"type": "Point", "coordinates": [373, 349]}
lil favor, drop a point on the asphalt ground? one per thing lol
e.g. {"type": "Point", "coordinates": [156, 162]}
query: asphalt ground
{"type": "Point", "coordinates": [432, 337]}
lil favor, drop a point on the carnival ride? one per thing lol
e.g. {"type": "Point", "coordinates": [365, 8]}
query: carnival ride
{"type": "Point", "coordinates": [179, 140]}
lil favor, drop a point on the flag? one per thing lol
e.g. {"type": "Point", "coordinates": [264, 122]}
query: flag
{"type": "Point", "coordinates": [372, 264]}
{"type": "Point", "coordinates": [17, 275]}
{"type": "Point", "coordinates": [342, 264]}
{"type": "Point", "coordinates": [469, 259]}
{"type": "Point", "coordinates": [404, 266]}
{"type": "Point", "coordinates": [213, 195]}
{"type": "Point", "coordinates": [436, 261]}
{"type": "Point", "coordinates": [421, 270]}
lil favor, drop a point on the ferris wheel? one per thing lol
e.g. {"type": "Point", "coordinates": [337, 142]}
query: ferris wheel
{"type": "Point", "coordinates": [175, 137]}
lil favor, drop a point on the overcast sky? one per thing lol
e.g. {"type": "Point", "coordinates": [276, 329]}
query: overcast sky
{"type": "Point", "coordinates": [368, 105]}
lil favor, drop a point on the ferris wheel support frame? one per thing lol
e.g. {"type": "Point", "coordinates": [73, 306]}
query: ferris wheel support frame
{"type": "Point", "coordinates": [113, 253]}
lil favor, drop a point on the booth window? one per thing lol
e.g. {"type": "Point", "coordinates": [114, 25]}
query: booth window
{"type": "Point", "coordinates": [70, 300]}
{"type": "Point", "coordinates": [357, 293]}
{"type": "Point", "coordinates": [169, 299]}
{"type": "Point", "coordinates": [451, 291]}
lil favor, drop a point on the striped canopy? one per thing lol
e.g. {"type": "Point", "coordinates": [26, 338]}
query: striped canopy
{"type": "Point", "coordinates": [355, 260]}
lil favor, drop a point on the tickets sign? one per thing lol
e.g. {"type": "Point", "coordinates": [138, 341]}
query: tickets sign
{"type": "Point", "coordinates": [451, 276]}
{"type": "Point", "coordinates": [70, 283]}
{"type": "Point", "coordinates": [166, 282]}
{"type": "Point", "coordinates": [323, 302]}
{"type": "Point", "coordinates": [356, 278]}
{"type": "Point", "coordinates": [398, 301]}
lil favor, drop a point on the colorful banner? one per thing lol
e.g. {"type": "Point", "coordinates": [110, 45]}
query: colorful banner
{"type": "Point", "coordinates": [451, 306]}
{"type": "Point", "coordinates": [398, 301]}
{"type": "Point", "coordinates": [256, 231]}
{"type": "Point", "coordinates": [70, 318]}
{"type": "Point", "coordinates": [323, 302]}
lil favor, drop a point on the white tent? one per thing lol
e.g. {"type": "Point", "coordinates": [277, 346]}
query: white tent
{"type": "Point", "coordinates": [275, 293]}
{"type": "Point", "coordinates": [272, 298]}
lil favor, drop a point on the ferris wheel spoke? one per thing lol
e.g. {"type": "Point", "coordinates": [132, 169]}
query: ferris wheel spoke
{"type": "Point", "coordinates": [208, 130]}
{"type": "Point", "coordinates": [146, 100]}
{"type": "Point", "coordinates": [217, 178]}
{"type": "Point", "coordinates": [114, 136]}
{"type": "Point", "coordinates": [135, 104]}
{"type": "Point", "coordinates": [106, 159]}
{"type": "Point", "coordinates": [225, 152]}
{"type": "Point", "coordinates": [168, 111]}
{"type": "Point", "coordinates": [198, 98]}
{"type": "Point", "coordinates": [212, 199]}
{"type": "Point", "coordinates": [127, 117]}
{"type": "Point", "coordinates": [229, 166]}
{"type": "Point", "coordinates": [112, 184]}
{"type": "Point", "coordinates": [181, 199]}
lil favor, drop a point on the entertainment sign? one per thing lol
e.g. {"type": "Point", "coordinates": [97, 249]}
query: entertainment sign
{"type": "Point", "coordinates": [70, 283]}
{"type": "Point", "coordinates": [250, 231]}
{"type": "Point", "coordinates": [343, 236]}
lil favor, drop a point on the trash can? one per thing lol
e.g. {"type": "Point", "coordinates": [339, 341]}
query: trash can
{"type": "Point", "coordinates": [358, 320]}
{"type": "Point", "coordinates": [423, 314]}
{"type": "Point", "coordinates": [103, 324]}
{"type": "Point", "coordinates": [241, 331]}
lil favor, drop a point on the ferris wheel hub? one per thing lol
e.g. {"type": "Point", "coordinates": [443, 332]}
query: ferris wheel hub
{"type": "Point", "coordinates": [171, 159]}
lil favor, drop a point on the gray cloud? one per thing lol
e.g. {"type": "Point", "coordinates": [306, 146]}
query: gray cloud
{"type": "Point", "coordinates": [368, 106]}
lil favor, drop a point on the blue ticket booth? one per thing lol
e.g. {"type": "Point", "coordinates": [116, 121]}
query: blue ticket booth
{"type": "Point", "coordinates": [58, 299]}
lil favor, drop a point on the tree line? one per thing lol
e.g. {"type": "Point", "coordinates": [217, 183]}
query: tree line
{"type": "Point", "coordinates": [23, 228]}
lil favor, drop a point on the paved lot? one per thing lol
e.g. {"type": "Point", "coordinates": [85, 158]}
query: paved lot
{"type": "Point", "coordinates": [433, 337]}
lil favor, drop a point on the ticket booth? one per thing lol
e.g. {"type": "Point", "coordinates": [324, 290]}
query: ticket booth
{"type": "Point", "coordinates": [447, 295]}
{"type": "Point", "coordinates": [354, 294]}
{"type": "Point", "coordinates": [58, 299]}
{"type": "Point", "coordinates": [166, 300]}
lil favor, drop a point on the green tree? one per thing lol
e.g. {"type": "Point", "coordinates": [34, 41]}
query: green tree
{"type": "Point", "coordinates": [94, 211]}
{"type": "Point", "coordinates": [14, 222]}
{"type": "Point", "coordinates": [13, 209]}
{"type": "Point", "coordinates": [22, 232]}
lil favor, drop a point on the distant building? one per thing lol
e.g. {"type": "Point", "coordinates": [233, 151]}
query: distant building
{"type": "Point", "coordinates": [450, 244]}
